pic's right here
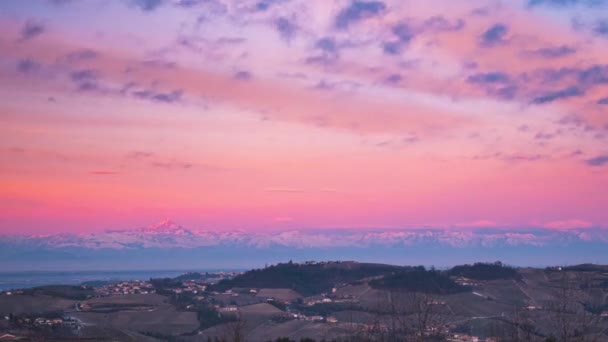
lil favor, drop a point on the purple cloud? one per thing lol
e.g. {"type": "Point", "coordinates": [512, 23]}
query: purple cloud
{"type": "Point", "coordinates": [494, 35]}
{"type": "Point", "coordinates": [439, 23]}
{"type": "Point", "coordinates": [163, 97]}
{"type": "Point", "coordinates": [147, 5]}
{"type": "Point", "coordinates": [26, 66]}
{"type": "Point", "coordinates": [286, 28]}
{"type": "Point", "coordinates": [86, 79]}
{"type": "Point", "coordinates": [598, 161]}
{"type": "Point", "coordinates": [601, 28]}
{"type": "Point", "coordinates": [31, 30]}
{"type": "Point", "coordinates": [566, 3]}
{"type": "Point", "coordinates": [80, 55]}
{"type": "Point", "coordinates": [358, 10]}
{"type": "Point", "coordinates": [394, 78]}
{"type": "Point", "coordinates": [404, 35]}
{"type": "Point", "coordinates": [558, 95]}
{"type": "Point", "coordinates": [554, 52]}
{"type": "Point", "coordinates": [243, 75]}
{"type": "Point", "coordinates": [489, 77]}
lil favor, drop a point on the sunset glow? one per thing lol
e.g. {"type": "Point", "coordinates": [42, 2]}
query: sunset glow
{"type": "Point", "coordinates": [312, 114]}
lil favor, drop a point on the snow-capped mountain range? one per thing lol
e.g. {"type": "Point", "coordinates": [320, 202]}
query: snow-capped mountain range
{"type": "Point", "coordinates": [167, 235]}
{"type": "Point", "coordinates": [169, 246]}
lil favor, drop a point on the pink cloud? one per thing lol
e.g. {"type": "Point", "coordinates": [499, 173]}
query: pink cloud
{"type": "Point", "coordinates": [568, 224]}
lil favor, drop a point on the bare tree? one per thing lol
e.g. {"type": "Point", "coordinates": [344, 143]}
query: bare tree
{"type": "Point", "coordinates": [415, 316]}
{"type": "Point", "coordinates": [571, 321]}
{"type": "Point", "coordinates": [235, 331]}
{"type": "Point", "coordinates": [521, 327]}
{"type": "Point", "coordinates": [428, 315]}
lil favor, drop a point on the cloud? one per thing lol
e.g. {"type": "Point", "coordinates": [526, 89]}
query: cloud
{"type": "Point", "coordinates": [601, 28]}
{"type": "Point", "coordinates": [139, 155]}
{"type": "Point", "coordinates": [603, 101]}
{"type": "Point", "coordinates": [566, 3]}
{"type": "Point", "coordinates": [158, 63]}
{"type": "Point", "coordinates": [327, 45]}
{"type": "Point", "coordinates": [151, 159]}
{"type": "Point", "coordinates": [568, 224]}
{"type": "Point", "coordinates": [84, 75]}
{"type": "Point", "coordinates": [172, 164]}
{"type": "Point", "coordinates": [86, 79]}
{"type": "Point", "coordinates": [284, 190]}
{"type": "Point", "coordinates": [243, 76]}
{"type": "Point", "coordinates": [26, 66]}
{"type": "Point", "coordinates": [31, 29]}
{"type": "Point", "coordinates": [584, 78]}
{"type": "Point", "coordinates": [574, 120]}
{"type": "Point", "coordinates": [494, 35]}
{"type": "Point", "coordinates": [286, 28]}
{"type": "Point", "coordinates": [392, 48]}
{"type": "Point", "coordinates": [393, 78]}
{"type": "Point", "coordinates": [104, 172]}
{"type": "Point", "coordinates": [558, 95]}
{"type": "Point", "coordinates": [439, 24]}
{"type": "Point", "coordinates": [544, 136]}
{"type": "Point", "coordinates": [263, 5]}
{"type": "Point", "coordinates": [358, 10]}
{"type": "Point", "coordinates": [147, 5]}
{"type": "Point", "coordinates": [157, 96]}
{"type": "Point", "coordinates": [496, 84]}
{"type": "Point", "coordinates": [598, 161]}
{"type": "Point", "coordinates": [329, 51]}
{"type": "Point", "coordinates": [404, 34]}
{"type": "Point", "coordinates": [554, 52]}
{"type": "Point", "coordinates": [478, 224]}
{"type": "Point", "coordinates": [516, 157]}
{"type": "Point", "coordinates": [189, 3]}
{"type": "Point", "coordinates": [80, 55]}
{"type": "Point", "coordinates": [594, 75]}
{"type": "Point", "coordinates": [489, 77]}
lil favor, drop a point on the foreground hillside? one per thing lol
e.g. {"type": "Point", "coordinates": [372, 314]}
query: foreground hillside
{"type": "Point", "coordinates": [342, 301]}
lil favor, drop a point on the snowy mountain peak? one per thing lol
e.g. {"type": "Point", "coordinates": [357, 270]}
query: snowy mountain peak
{"type": "Point", "coordinates": [167, 226]}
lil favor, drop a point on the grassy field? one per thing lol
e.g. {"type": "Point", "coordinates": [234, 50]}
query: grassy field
{"type": "Point", "coordinates": [152, 313]}
{"type": "Point", "coordinates": [33, 304]}
{"type": "Point", "coordinates": [280, 294]}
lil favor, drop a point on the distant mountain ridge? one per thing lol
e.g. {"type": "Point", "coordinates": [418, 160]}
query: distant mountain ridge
{"type": "Point", "coordinates": [168, 234]}
{"type": "Point", "coordinates": [168, 245]}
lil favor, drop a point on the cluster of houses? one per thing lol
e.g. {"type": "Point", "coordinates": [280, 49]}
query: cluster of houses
{"type": "Point", "coordinates": [470, 338]}
{"type": "Point", "coordinates": [126, 287]}
{"type": "Point", "coordinates": [462, 281]}
{"type": "Point", "coordinates": [315, 318]}
{"type": "Point", "coordinates": [191, 286]}
{"type": "Point", "coordinates": [328, 262]}
{"type": "Point", "coordinates": [66, 321]}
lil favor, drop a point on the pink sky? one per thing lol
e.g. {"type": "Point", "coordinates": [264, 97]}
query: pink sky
{"type": "Point", "coordinates": [280, 114]}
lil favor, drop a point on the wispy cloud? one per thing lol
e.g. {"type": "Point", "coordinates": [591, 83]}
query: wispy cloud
{"type": "Point", "coordinates": [104, 172]}
{"type": "Point", "coordinates": [31, 29]}
{"type": "Point", "coordinates": [284, 190]}
{"type": "Point", "coordinates": [598, 161]}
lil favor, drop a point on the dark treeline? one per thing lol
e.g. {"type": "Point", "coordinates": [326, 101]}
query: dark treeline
{"type": "Point", "coordinates": [306, 279]}
{"type": "Point", "coordinates": [73, 292]}
{"type": "Point", "coordinates": [485, 271]}
{"type": "Point", "coordinates": [419, 279]}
